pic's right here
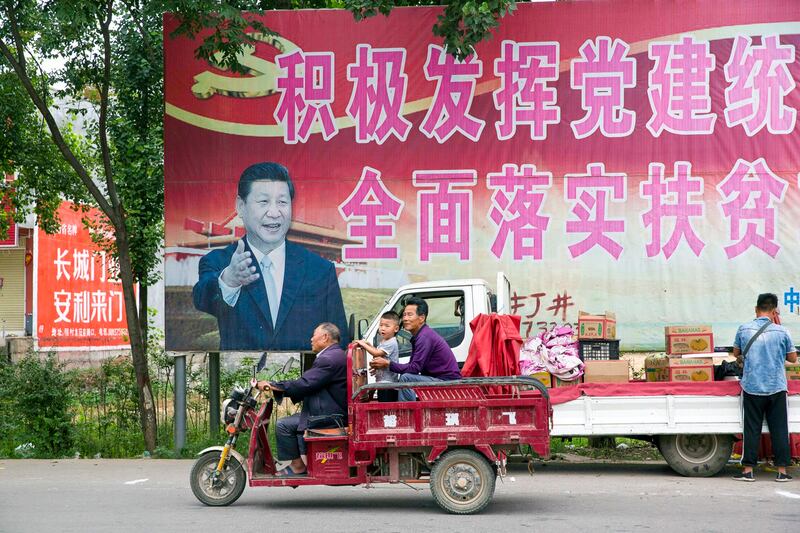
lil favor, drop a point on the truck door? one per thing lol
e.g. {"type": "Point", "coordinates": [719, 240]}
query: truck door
{"type": "Point", "coordinates": [447, 313]}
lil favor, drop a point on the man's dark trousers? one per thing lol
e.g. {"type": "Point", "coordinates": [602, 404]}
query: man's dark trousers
{"type": "Point", "coordinates": [774, 408]}
{"type": "Point", "coordinates": [291, 444]}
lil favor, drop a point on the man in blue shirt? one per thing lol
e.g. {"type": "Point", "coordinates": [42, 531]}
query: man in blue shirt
{"type": "Point", "coordinates": [764, 385]}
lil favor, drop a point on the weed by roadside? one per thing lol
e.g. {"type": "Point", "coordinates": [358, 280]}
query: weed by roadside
{"type": "Point", "coordinates": [47, 411]}
{"type": "Point", "coordinates": [35, 402]}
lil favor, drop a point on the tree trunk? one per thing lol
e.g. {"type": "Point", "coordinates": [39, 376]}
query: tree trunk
{"type": "Point", "coordinates": [602, 442]}
{"type": "Point", "coordinates": [144, 316]}
{"type": "Point", "coordinates": [147, 411]}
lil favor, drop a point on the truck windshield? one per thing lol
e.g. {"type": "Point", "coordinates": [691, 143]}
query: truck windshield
{"type": "Point", "coordinates": [445, 316]}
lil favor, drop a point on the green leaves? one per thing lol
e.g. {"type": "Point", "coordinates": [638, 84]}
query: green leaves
{"type": "Point", "coordinates": [465, 23]}
{"type": "Point", "coordinates": [224, 25]}
{"type": "Point", "coordinates": [362, 9]}
{"type": "Point", "coordinates": [72, 32]}
{"type": "Point", "coordinates": [462, 25]}
{"type": "Point", "coordinates": [26, 148]}
{"type": "Point", "coordinates": [37, 402]}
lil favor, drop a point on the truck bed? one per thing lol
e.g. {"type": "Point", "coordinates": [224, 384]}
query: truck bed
{"type": "Point", "coordinates": [639, 409]}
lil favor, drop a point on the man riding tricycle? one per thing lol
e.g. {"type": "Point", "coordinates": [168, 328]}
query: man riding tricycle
{"type": "Point", "coordinates": [456, 436]}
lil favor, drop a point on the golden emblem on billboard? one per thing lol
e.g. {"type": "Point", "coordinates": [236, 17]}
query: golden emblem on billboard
{"type": "Point", "coordinates": [263, 72]}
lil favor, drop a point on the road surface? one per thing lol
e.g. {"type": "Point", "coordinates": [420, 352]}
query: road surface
{"type": "Point", "coordinates": [151, 495]}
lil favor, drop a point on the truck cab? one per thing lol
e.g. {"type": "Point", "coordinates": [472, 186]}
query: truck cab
{"type": "Point", "coordinates": [452, 304]}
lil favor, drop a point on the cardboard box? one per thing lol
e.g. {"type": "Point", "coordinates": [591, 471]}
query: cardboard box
{"type": "Point", "coordinates": [613, 371]}
{"type": "Point", "coordinates": [681, 340]}
{"type": "Point", "coordinates": [597, 326]}
{"type": "Point", "coordinates": [793, 371]}
{"type": "Point", "coordinates": [694, 373]}
{"type": "Point", "coordinates": [544, 377]}
{"type": "Point", "coordinates": [656, 368]}
{"type": "Point", "coordinates": [698, 369]}
{"type": "Point", "coordinates": [559, 383]}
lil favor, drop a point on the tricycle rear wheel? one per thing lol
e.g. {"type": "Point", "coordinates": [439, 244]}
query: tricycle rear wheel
{"type": "Point", "coordinates": [216, 490]}
{"type": "Point", "coordinates": [462, 482]}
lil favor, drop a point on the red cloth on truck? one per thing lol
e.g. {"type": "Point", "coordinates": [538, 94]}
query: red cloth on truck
{"type": "Point", "coordinates": [652, 388]}
{"type": "Point", "coordinates": [765, 446]}
{"type": "Point", "coordinates": [494, 350]}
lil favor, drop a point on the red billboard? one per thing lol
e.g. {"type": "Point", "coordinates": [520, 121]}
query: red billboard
{"type": "Point", "coordinates": [78, 297]}
{"type": "Point", "coordinates": [640, 157]}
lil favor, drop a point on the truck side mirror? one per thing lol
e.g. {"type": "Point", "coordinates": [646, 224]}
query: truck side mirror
{"type": "Point", "coordinates": [351, 326]}
{"type": "Point", "coordinates": [363, 324]}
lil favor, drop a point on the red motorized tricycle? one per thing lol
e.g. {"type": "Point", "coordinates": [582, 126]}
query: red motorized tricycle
{"type": "Point", "coordinates": [456, 436]}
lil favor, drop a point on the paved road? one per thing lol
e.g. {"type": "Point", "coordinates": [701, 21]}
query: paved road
{"type": "Point", "coordinates": [145, 496]}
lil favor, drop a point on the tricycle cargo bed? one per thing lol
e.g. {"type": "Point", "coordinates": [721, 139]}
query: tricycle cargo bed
{"type": "Point", "coordinates": [471, 412]}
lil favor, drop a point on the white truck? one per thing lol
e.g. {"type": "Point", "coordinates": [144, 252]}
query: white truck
{"type": "Point", "coordinates": [695, 434]}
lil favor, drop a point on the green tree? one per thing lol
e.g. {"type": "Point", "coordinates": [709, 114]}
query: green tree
{"type": "Point", "coordinates": [112, 78]}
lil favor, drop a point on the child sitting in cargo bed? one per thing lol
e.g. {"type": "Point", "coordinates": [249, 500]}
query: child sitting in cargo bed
{"type": "Point", "coordinates": [387, 328]}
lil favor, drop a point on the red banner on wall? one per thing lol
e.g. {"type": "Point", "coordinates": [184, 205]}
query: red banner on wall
{"type": "Point", "coordinates": [11, 238]}
{"type": "Point", "coordinates": [79, 301]}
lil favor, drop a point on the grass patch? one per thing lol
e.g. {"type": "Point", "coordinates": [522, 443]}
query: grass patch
{"type": "Point", "coordinates": [364, 303]}
{"type": "Point", "coordinates": [623, 449]}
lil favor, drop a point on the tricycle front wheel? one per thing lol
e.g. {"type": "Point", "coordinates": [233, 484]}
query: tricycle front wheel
{"type": "Point", "coordinates": [462, 482]}
{"type": "Point", "coordinates": [217, 489]}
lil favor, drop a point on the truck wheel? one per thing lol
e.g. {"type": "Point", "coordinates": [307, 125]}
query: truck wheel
{"type": "Point", "coordinates": [217, 490]}
{"type": "Point", "coordinates": [462, 482]}
{"type": "Point", "coordinates": [696, 455]}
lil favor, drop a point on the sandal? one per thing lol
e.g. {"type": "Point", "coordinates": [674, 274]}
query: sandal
{"type": "Point", "coordinates": [288, 472]}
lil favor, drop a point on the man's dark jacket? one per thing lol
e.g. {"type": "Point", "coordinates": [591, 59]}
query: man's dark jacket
{"type": "Point", "coordinates": [310, 296]}
{"type": "Point", "coordinates": [322, 388]}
